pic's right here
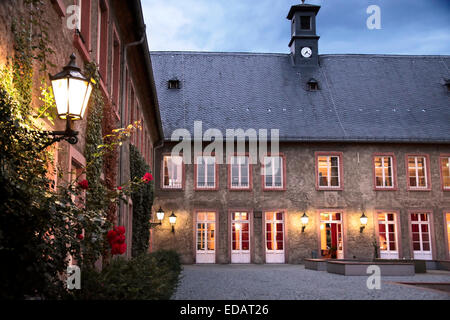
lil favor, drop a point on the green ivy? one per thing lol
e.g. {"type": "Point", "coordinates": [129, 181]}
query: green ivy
{"type": "Point", "coordinates": [142, 203]}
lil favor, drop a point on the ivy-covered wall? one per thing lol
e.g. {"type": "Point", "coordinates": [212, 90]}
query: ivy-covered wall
{"type": "Point", "coordinates": [142, 203]}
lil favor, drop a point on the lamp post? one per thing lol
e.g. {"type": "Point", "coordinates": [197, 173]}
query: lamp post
{"type": "Point", "coordinates": [364, 221]}
{"type": "Point", "coordinates": [159, 216]}
{"type": "Point", "coordinates": [72, 91]}
{"type": "Point", "coordinates": [305, 220]}
{"type": "Point", "coordinates": [173, 220]}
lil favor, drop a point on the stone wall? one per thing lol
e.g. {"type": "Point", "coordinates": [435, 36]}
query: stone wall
{"type": "Point", "coordinates": [301, 196]}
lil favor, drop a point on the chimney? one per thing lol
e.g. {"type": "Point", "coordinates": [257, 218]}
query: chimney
{"type": "Point", "coordinates": [304, 42]}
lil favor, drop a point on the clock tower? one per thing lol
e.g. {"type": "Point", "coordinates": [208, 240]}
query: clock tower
{"type": "Point", "coordinates": [304, 42]}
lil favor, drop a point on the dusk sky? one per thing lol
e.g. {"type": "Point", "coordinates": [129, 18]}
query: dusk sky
{"type": "Point", "coordinates": [408, 26]}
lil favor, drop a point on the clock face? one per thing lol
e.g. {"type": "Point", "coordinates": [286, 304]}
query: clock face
{"type": "Point", "coordinates": [306, 52]}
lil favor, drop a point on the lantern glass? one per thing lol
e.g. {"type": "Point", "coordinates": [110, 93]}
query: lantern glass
{"type": "Point", "coordinates": [363, 219]}
{"type": "Point", "coordinates": [160, 214]}
{"type": "Point", "coordinates": [172, 219]}
{"type": "Point", "coordinates": [79, 92]}
{"type": "Point", "coordinates": [72, 92]}
{"type": "Point", "coordinates": [61, 93]}
{"type": "Point", "coordinates": [304, 219]}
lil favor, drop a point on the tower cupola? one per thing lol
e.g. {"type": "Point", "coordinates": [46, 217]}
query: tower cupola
{"type": "Point", "coordinates": [304, 42]}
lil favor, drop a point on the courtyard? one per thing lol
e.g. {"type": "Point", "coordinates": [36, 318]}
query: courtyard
{"type": "Point", "coordinates": [294, 282]}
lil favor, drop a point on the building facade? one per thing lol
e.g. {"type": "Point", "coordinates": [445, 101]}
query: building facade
{"type": "Point", "coordinates": [360, 136]}
{"type": "Point", "coordinates": [111, 34]}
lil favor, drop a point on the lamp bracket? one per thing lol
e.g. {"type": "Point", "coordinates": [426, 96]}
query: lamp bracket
{"type": "Point", "coordinates": [68, 135]}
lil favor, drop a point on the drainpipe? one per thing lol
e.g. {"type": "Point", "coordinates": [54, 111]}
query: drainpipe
{"type": "Point", "coordinates": [123, 88]}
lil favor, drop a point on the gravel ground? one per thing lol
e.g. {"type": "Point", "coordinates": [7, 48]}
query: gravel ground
{"type": "Point", "coordinates": [294, 282]}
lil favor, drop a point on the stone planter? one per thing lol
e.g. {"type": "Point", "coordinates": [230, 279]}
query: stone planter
{"type": "Point", "coordinates": [355, 268]}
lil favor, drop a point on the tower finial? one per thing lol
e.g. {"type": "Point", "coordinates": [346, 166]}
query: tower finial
{"type": "Point", "coordinates": [303, 1]}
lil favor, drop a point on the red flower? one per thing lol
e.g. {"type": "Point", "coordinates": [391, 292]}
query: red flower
{"type": "Point", "coordinates": [120, 229]}
{"type": "Point", "coordinates": [83, 184]}
{"type": "Point", "coordinates": [119, 188]}
{"type": "Point", "coordinates": [147, 177]}
{"type": "Point", "coordinates": [122, 248]}
{"type": "Point", "coordinates": [120, 238]}
{"type": "Point", "coordinates": [111, 235]}
{"type": "Point", "coordinates": [118, 248]}
{"type": "Point", "coordinates": [116, 239]}
{"type": "Point", "coordinates": [80, 236]}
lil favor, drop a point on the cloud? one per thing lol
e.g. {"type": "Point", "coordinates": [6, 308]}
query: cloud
{"type": "Point", "coordinates": [261, 26]}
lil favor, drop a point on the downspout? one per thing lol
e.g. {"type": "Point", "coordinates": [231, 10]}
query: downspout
{"type": "Point", "coordinates": [123, 88]}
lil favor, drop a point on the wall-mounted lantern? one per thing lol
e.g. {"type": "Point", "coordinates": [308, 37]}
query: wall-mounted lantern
{"type": "Point", "coordinates": [364, 221]}
{"type": "Point", "coordinates": [173, 220]}
{"type": "Point", "coordinates": [159, 216]}
{"type": "Point", "coordinates": [304, 219]}
{"type": "Point", "coordinates": [72, 91]}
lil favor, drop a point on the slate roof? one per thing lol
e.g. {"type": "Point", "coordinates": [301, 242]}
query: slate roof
{"type": "Point", "coordinates": [379, 98]}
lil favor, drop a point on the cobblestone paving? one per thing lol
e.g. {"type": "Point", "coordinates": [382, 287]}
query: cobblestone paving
{"type": "Point", "coordinates": [294, 282]}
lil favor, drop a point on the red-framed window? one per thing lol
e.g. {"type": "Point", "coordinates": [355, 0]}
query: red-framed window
{"type": "Point", "coordinates": [102, 40]}
{"type": "Point", "coordinates": [116, 71]}
{"type": "Point", "coordinates": [384, 171]}
{"type": "Point", "coordinates": [82, 39]}
{"type": "Point", "coordinates": [172, 172]}
{"type": "Point", "coordinates": [388, 234]}
{"type": "Point", "coordinates": [206, 171]}
{"type": "Point", "coordinates": [274, 172]}
{"type": "Point", "coordinates": [239, 172]}
{"type": "Point", "coordinates": [444, 164]}
{"type": "Point", "coordinates": [126, 105]}
{"type": "Point", "coordinates": [418, 172]}
{"type": "Point", "coordinates": [329, 171]}
{"type": "Point", "coordinates": [132, 105]}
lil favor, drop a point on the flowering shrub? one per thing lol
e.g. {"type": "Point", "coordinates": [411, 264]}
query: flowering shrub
{"type": "Point", "coordinates": [51, 222]}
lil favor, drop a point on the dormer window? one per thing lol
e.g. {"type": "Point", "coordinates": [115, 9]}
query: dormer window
{"type": "Point", "coordinates": [305, 22]}
{"type": "Point", "coordinates": [313, 85]}
{"type": "Point", "coordinates": [173, 84]}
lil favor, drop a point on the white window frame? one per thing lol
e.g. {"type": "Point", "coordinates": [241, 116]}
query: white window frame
{"type": "Point", "coordinates": [386, 224]}
{"type": "Point", "coordinates": [419, 222]}
{"type": "Point", "coordinates": [240, 164]}
{"type": "Point", "coordinates": [172, 183]}
{"type": "Point", "coordinates": [416, 172]}
{"type": "Point", "coordinates": [240, 222]}
{"type": "Point", "coordinates": [383, 175]}
{"type": "Point", "coordinates": [328, 166]}
{"type": "Point", "coordinates": [273, 186]}
{"type": "Point", "coordinates": [205, 171]}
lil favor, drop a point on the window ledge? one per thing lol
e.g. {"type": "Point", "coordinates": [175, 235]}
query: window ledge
{"type": "Point", "coordinates": [274, 189]}
{"type": "Point", "coordinates": [385, 189]}
{"type": "Point", "coordinates": [420, 189]}
{"type": "Point", "coordinates": [329, 189]}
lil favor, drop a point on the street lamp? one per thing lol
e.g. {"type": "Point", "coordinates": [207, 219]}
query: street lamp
{"type": "Point", "coordinates": [364, 221]}
{"type": "Point", "coordinates": [159, 216]}
{"type": "Point", "coordinates": [305, 220]}
{"type": "Point", "coordinates": [72, 91]}
{"type": "Point", "coordinates": [173, 220]}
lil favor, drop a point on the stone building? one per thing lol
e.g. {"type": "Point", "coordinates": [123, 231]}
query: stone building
{"type": "Point", "coordinates": [110, 33]}
{"type": "Point", "coordinates": [360, 136]}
